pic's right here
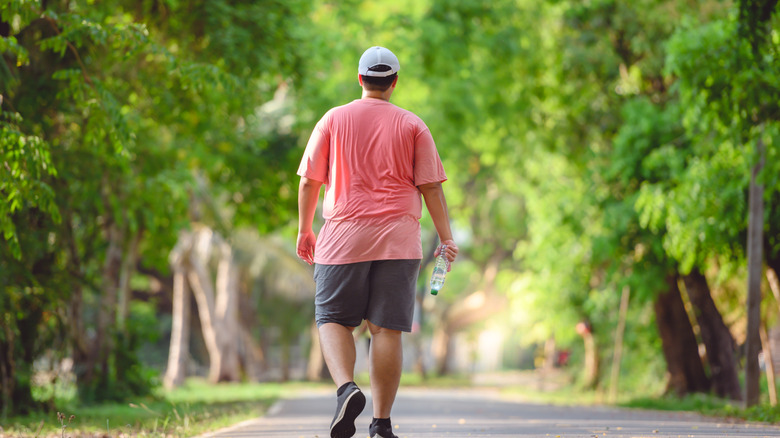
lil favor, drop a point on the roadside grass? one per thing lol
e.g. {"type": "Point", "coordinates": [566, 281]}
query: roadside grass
{"type": "Point", "coordinates": [563, 396]}
{"type": "Point", "coordinates": [653, 399]}
{"type": "Point", "coordinates": [198, 407]}
{"type": "Point", "coordinates": [418, 381]}
{"type": "Point", "coordinates": [192, 409]}
{"type": "Point", "coordinates": [189, 410]}
{"type": "Point", "coordinates": [707, 404]}
{"type": "Point", "coordinates": [710, 405]}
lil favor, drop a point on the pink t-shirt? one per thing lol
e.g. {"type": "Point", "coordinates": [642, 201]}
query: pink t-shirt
{"type": "Point", "coordinates": [371, 155]}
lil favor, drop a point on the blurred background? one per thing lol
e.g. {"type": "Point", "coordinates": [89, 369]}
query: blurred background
{"type": "Point", "coordinates": [608, 164]}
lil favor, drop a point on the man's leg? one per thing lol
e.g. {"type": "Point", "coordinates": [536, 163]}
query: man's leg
{"type": "Point", "coordinates": [385, 364]}
{"type": "Point", "coordinates": [338, 349]}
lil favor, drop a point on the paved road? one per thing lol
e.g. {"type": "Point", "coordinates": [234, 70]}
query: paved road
{"type": "Point", "coordinates": [445, 413]}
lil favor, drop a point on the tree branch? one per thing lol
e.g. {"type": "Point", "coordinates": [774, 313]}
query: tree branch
{"type": "Point", "coordinates": [73, 50]}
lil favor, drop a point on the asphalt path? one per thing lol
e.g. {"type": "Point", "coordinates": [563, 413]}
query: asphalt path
{"type": "Point", "coordinates": [484, 413]}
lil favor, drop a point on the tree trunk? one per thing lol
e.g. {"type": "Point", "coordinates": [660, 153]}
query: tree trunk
{"type": "Point", "coordinates": [217, 310]}
{"type": "Point", "coordinates": [286, 361]}
{"type": "Point", "coordinates": [104, 342]}
{"type": "Point", "coordinates": [249, 352]}
{"type": "Point", "coordinates": [681, 351]}
{"type": "Point", "coordinates": [766, 346]}
{"type": "Point", "coordinates": [316, 361]}
{"type": "Point", "coordinates": [772, 258]}
{"type": "Point", "coordinates": [549, 354]}
{"type": "Point", "coordinates": [200, 281]}
{"type": "Point", "coordinates": [82, 368]}
{"type": "Point", "coordinates": [123, 289]}
{"type": "Point", "coordinates": [591, 362]}
{"type": "Point", "coordinates": [252, 355]}
{"type": "Point", "coordinates": [591, 368]}
{"type": "Point", "coordinates": [618, 350]}
{"type": "Point", "coordinates": [441, 350]}
{"type": "Point", "coordinates": [717, 338]}
{"type": "Point", "coordinates": [419, 356]}
{"type": "Point", "coordinates": [774, 283]}
{"type": "Point", "coordinates": [180, 331]}
{"type": "Point", "coordinates": [226, 314]}
{"type": "Point", "coordinates": [755, 266]}
{"type": "Point", "coordinates": [7, 371]}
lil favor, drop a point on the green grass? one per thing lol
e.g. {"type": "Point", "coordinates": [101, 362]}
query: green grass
{"type": "Point", "coordinates": [192, 409]}
{"type": "Point", "coordinates": [704, 404]}
{"type": "Point", "coordinates": [198, 407]}
{"type": "Point", "coordinates": [565, 396]}
{"type": "Point", "coordinates": [416, 380]}
{"type": "Point", "coordinates": [710, 405]}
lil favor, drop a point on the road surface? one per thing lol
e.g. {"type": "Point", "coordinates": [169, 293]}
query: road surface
{"type": "Point", "coordinates": [422, 413]}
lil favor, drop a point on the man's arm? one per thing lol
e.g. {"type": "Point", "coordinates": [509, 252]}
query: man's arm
{"type": "Point", "coordinates": [308, 195]}
{"type": "Point", "coordinates": [437, 207]}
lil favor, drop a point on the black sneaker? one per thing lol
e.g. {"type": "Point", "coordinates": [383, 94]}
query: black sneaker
{"type": "Point", "coordinates": [350, 404]}
{"type": "Point", "coordinates": [381, 431]}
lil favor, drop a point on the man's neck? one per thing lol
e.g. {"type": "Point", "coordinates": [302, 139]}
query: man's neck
{"type": "Point", "coordinates": [373, 94]}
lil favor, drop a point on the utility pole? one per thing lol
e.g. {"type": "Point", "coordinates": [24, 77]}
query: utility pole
{"type": "Point", "coordinates": [755, 268]}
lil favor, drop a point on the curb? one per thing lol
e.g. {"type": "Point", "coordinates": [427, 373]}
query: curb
{"type": "Point", "coordinates": [276, 407]}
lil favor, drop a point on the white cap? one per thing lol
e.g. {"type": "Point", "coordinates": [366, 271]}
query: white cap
{"type": "Point", "coordinates": [376, 56]}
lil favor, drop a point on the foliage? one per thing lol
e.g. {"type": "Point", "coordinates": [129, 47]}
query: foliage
{"type": "Point", "coordinates": [26, 160]}
{"type": "Point", "coordinates": [585, 241]}
{"type": "Point", "coordinates": [115, 117]}
{"type": "Point", "coordinates": [724, 116]}
{"type": "Point", "coordinates": [590, 146]}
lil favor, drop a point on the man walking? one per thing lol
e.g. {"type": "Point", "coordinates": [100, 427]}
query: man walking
{"type": "Point", "coordinates": [375, 160]}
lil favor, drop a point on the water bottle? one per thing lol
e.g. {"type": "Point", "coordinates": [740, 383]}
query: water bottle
{"type": "Point", "coordinates": [439, 271]}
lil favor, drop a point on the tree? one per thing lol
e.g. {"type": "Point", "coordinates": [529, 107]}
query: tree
{"type": "Point", "coordinates": [753, 18]}
{"type": "Point", "coordinates": [731, 94]}
{"type": "Point", "coordinates": [217, 301]}
{"type": "Point", "coordinates": [257, 283]}
{"type": "Point", "coordinates": [686, 372]}
{"type": "Point", "coordinates": [140, 102]}
{"type": "Point", "coordinates": [590, 147]}
{"type": "Point", "coordinates": [616, 125]}
{"type": "Point", "coordinates": [716, 336]}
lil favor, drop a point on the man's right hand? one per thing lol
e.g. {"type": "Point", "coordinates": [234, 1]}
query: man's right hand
{"type": "Point", "coordinates": [451, 252]}
{"type": "Point", "coordinates": [305, 246]}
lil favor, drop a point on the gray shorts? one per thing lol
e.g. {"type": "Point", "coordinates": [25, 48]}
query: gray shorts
{"type": "Point", "coordinates": [380, 291]}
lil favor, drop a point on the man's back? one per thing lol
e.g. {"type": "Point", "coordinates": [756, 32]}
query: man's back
{"type": "Point", "coordinates": [371, 155]}
{"type": "Point", "coordinates": [377, 155]}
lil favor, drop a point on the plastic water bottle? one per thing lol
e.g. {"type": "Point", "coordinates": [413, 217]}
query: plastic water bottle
{"type": "Point", "coordinates": [439, 271]}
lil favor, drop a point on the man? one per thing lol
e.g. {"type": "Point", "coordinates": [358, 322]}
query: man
{"type": "Point", "coordinates": [375, 160]}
